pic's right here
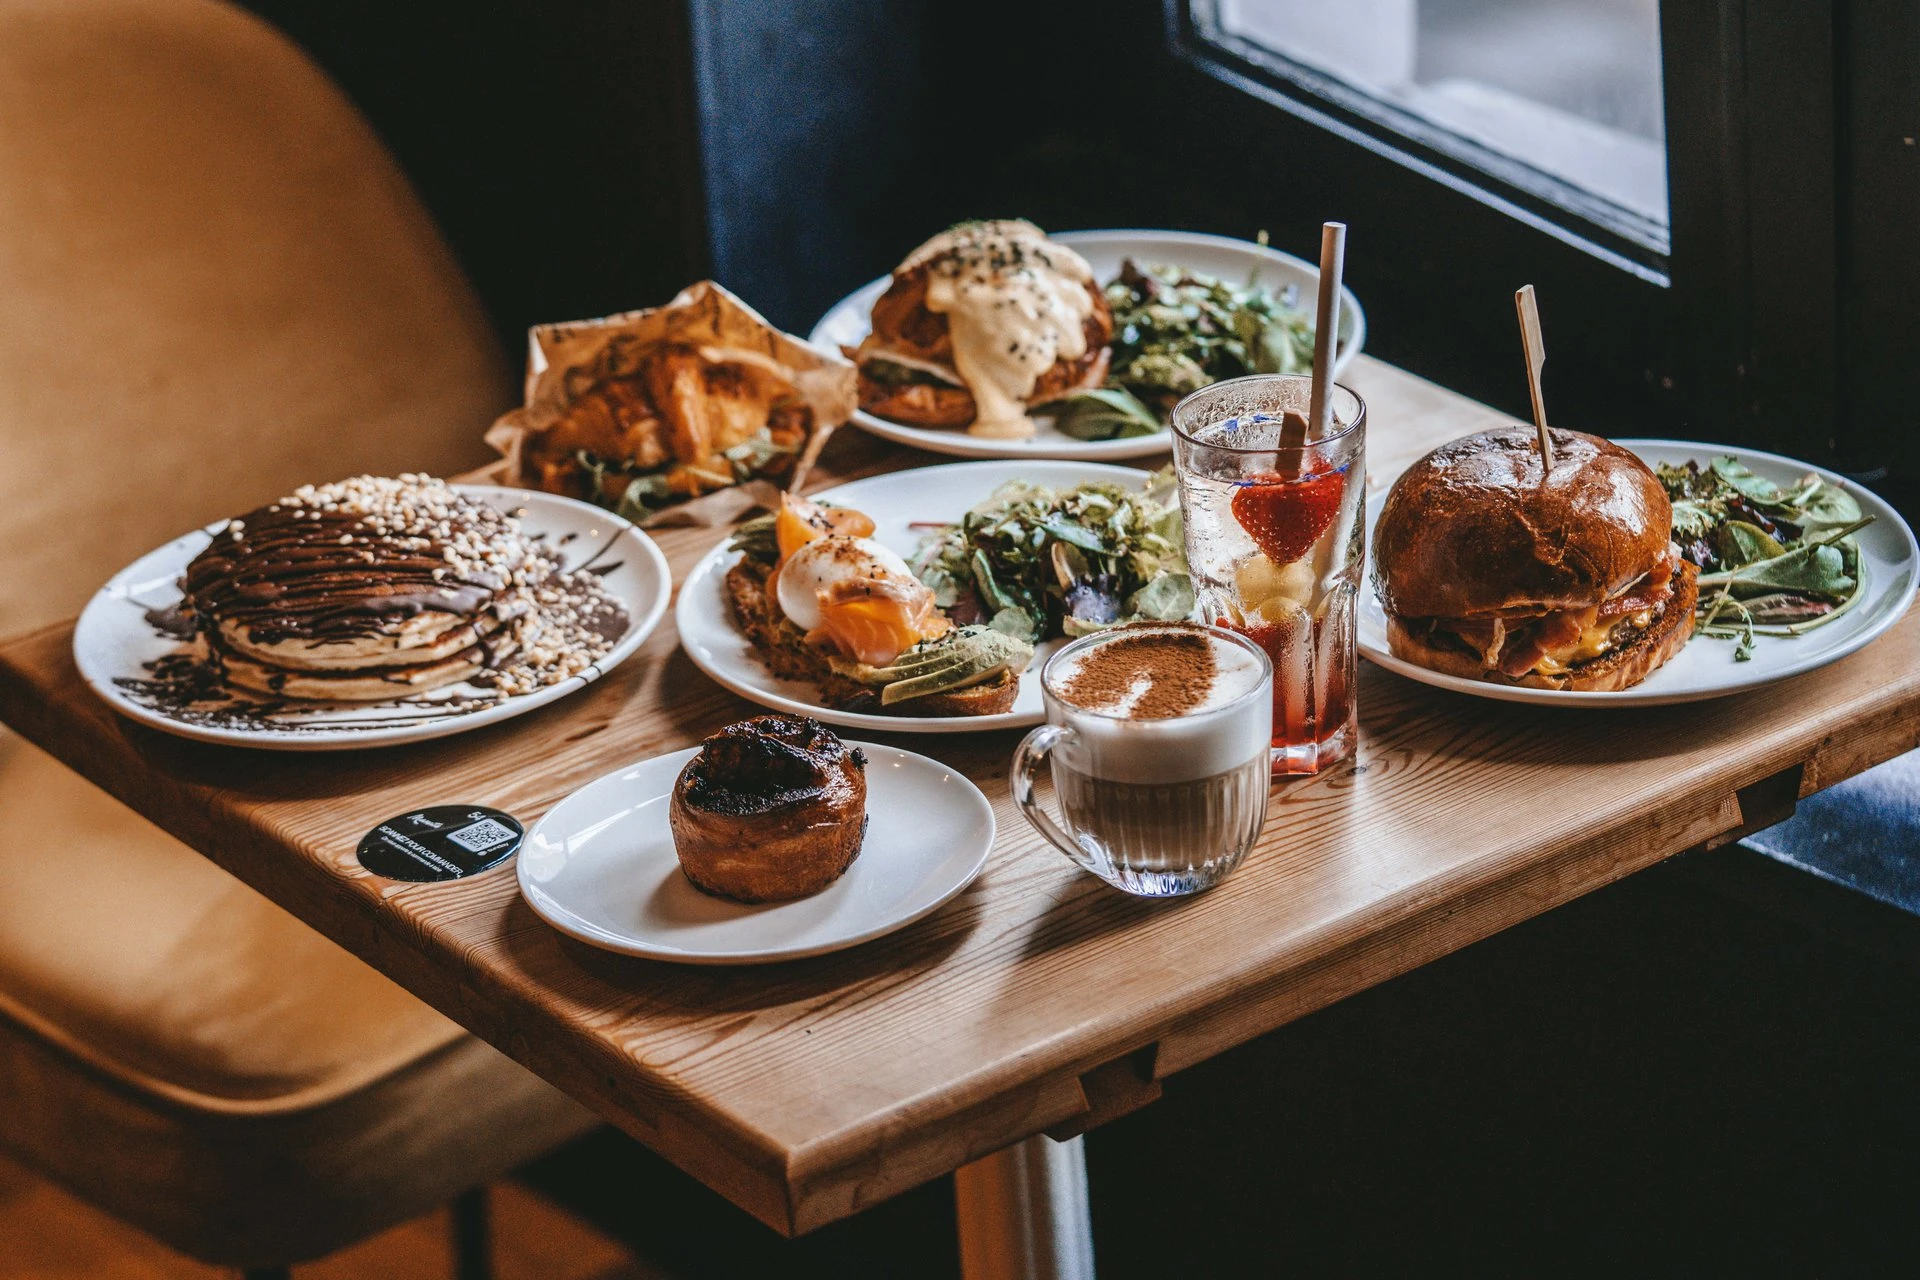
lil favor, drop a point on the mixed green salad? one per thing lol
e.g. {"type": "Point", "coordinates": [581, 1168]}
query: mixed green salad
{"type": "Point", "coordinates": [1175, 331]}
{"type": "Point", "coordinates": [1035, 563]}
{"type": "Point", "coordinates": [1773, 561]}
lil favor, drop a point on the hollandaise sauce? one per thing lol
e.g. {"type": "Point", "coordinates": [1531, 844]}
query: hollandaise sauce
{"type": "Point", "coordinates": [1015, 303]}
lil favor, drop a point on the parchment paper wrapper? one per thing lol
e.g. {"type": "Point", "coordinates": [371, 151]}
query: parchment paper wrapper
{"type": "Point", "coordinates": [566, 361]}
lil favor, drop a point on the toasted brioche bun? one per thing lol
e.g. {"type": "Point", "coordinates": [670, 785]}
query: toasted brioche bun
{"type": "Point", "coordinates": [1474, 527]}
{"type": "Point", "coordinates": [903, 323]}
{"type": "Point", "coordinates": [937, 405]}
{"type": "Point", "coordinates": [1621, 668]}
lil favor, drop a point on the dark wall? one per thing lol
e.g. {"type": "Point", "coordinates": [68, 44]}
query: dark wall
{"type": "Point", "coordinates": [554, 143]}
{"type": "Point", "coordinates": [820, 133]}
{"type": "Point", "coordinates": [557, 145]}
{"type": "Point", "coordinates": [1879, 207]}
{"type": "Point", "coordinates": [589, 156]}
{"type": "Point", "coordinates": [842, 132]}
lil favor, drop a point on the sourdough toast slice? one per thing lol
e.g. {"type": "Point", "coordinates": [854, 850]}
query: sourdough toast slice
{"type": "Point", "coordinates": [780, 644]}
{"type": "Point", "coordinates": [989, 698]}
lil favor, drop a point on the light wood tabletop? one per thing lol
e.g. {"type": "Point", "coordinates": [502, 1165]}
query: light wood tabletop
{"type": "Point", "coordinates": [1039, 1000]}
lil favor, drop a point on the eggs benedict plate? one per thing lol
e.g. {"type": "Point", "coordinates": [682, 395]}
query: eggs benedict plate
{"type": "Point", "coordinates": [904, 330]}
{"type": "Point", "coordinates": [815, 611]}
{"type": "Point", "coordinates": [823, 602]}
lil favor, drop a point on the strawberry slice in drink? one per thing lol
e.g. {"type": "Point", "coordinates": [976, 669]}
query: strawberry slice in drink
{"type": "Point", "coordinates": [1286, 517]}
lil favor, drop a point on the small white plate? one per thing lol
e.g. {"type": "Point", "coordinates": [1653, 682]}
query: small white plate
{"type": "Point", "coordinates": [1705, 668]}
{"type": "Point", "coordinates": [600, 866]}
{"type": "Point", "coordinates": [113, 641]}
{"type": "Point", "coordinates": [850, 320]}
{"type": "Point", "coordinates": [897, 502]}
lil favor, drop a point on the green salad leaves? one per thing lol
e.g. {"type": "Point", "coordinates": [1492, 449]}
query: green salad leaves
{"type": "Point", "coordinates": [1773, 561]}
{"type": "Point", "coordinates": [1175, 331]}
{"type": "Point", "coordinates": [1101, 413]}
{"type": "Point", "coordinates": [1033, 563]}
{"type": "Point", "coordinates": [643, 492]}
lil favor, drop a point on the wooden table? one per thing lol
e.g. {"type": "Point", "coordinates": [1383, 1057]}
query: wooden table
{"type": "Point", "coordinates": [1040, 1001]}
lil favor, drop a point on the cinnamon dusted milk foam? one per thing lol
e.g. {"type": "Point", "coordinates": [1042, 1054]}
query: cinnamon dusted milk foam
{"type": "Point", "coordinates": [1162, 704]}
{"type": "Point", "coordinates": [1158, 742]}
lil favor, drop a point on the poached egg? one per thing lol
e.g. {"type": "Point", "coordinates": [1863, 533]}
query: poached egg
{"type": "Point", "coordinates": [811, 572]}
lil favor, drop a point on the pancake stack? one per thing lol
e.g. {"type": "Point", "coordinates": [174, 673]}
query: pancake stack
{"type": "Point", "coordinates": [367, 589]}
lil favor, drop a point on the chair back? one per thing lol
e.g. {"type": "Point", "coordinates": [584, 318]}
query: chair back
{"type": "Point", "coordinates": [215, 285]}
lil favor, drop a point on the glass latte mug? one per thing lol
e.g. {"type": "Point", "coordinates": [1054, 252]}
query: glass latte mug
{"type": "Point", "coordinates": [1157, 739]}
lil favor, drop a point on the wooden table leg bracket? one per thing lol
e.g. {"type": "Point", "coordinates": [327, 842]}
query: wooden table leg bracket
{"type": "Point", "coordinates": [1112, 1089]}
{"type": "Point", "coordinates": [1763, 804]}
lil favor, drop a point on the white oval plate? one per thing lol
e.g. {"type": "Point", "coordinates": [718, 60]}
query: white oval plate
{"type": "Point", "coordinates": [113, 640]}
{"type": "Point", "coordinates": [600, 867]}
{"type": "Point", "coordinates": [1705, 668]}
{"type": "Point", "coordinates": [896, 501]}
{"type": "Point", "coordinates": [850, 320]}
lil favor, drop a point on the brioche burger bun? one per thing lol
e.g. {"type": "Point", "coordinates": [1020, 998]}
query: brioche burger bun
{"type": "Point", "coordinates": [1492, 568]}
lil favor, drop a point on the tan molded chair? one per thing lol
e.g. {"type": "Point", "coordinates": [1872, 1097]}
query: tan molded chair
{"type": "Point", "coordinates": [214, 286]}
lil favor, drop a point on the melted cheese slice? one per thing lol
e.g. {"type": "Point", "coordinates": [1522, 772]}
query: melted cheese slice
{"type": "Point", "coordinates": [1595, 638]}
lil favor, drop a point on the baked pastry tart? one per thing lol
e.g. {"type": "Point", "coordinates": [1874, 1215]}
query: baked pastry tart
{"type": "Point", "coordinates": [771, 808]}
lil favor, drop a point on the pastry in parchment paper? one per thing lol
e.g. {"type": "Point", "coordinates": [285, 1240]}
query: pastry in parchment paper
{"type": "Point", "coordinates": [648, 409]}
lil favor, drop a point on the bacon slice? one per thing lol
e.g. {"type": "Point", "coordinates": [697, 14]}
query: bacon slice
{"type": "Point", "coordinates": [1522, 655]}
{"type": "Point", "coordinates": [1515, 641]}
{"type": "Point", "coordinates": [1650, 593]}
{"type": "Point", "coordinates": [1487, 635]}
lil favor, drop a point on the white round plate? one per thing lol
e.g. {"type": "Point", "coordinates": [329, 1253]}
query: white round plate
{"type": "Point", "coordinates": [849, 321]}
{"type": "Point", "coordinates": [1705, 668]}
{"type": "Point", "coordinates": [897, 502]}
{"type": "Point", "coordinates": [114, 642]}
{"type": "Point", "coordinates": [600, 866]}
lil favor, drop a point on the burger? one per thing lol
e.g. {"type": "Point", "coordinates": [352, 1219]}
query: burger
{"type": "Point", "coordinates": [1491, 567]}
{"type": "Point", "coordinates": [980, 324]}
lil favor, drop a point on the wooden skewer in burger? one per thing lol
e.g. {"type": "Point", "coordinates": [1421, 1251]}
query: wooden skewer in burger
{"type": "Point", "coordinates": [1538, 557]}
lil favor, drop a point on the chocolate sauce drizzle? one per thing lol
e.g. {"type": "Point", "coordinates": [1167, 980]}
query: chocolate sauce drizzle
{"type": "Point", "coordinates": [301, 573]}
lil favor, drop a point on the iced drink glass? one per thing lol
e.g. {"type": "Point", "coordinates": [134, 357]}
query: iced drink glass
{"type": "Point", "coordinates": [1276, 542]}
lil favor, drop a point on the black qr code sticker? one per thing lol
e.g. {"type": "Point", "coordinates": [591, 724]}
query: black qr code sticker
{"type": "Point", "coordinates": [482, 835]}
{"type": "Point", "coordinates": [440, 842]}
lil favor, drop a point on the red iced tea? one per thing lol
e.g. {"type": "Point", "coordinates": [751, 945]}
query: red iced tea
{"type": "Point", "coordinates": [1275, 542]}
{"type": "Point", "coordinates": [1313, 711]}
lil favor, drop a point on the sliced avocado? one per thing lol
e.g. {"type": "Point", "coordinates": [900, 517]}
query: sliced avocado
{"type": "Point", "coordinates": [968, 656]}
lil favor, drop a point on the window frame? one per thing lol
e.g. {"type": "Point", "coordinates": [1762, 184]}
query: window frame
{"type": "Point", "coordinates": [1544, 201]}
{"type": "Point", "coordinates": [1763, 107]}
